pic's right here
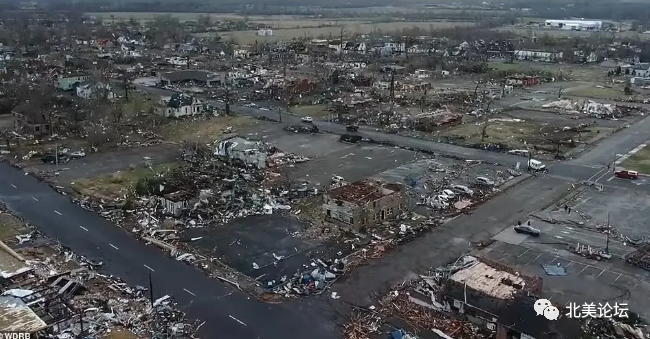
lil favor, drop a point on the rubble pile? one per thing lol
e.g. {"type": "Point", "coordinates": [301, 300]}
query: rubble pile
{"type": "Point", "coordinates": [593, 109]}
{"type": "Point", "coordinates": [82, 301]}
{"type": "Point", "coordinates": [611, 328]}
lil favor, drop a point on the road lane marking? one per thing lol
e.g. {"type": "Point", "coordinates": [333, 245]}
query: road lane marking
{"type": "Point", "coordinates": [149, 268]}
{"type": "Point", "coordinates": [186, 290]}
{"type": "Point", "coordinates": [57, 212]}
{"type": "Point", "coordinates": [610, 179]}
{"type": "Point", "coordinates": [115, 247]}
{"type": "Point", "coordinates": [83, 228]}
{"type": "Point", "coordinates": [237, 320]}
{"type": "Point", "coordinates": [14, 186]}
{"type": "Point", "coordinates": [34, 199]}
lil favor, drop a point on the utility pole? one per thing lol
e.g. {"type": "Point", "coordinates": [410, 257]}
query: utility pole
{"type": "Point", "coordinates": [607, 241]}
{"type": "Point", "coordinates": [56, 154]}
{"type": "Point", "coordinates": [81, 324]}
{"type": "Point", "coordinates": [280, 113]}
{"type": "Point", "coordinates": [151, 289]}
{"type": "Point", "coordinates": [227, 92]}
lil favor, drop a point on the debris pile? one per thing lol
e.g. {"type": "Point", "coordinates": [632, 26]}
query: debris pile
{"type": "Point", "coordinates": [611, 328]}
{"type": "Point", "coordinates": [69, 298]}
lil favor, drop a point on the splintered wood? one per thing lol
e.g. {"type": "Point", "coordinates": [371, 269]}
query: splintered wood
{"type": "Point", "coordinates": [427, 319]}
{"type": "Point", "coordinates": [361, 326]}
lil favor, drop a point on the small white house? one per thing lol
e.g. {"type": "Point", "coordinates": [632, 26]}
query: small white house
{"type": "Point", "coordinates": [181, 104]}
{"type": "Point", "coordinates": [265, 32]}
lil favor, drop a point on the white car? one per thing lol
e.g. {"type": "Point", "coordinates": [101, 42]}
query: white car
{"type": "Point", "coordinates": [483, 181]}
{"type": "Point", "coordinates": [307, 119]}
{"type": "Point", "coordinates": [449, 193]}
{"type": "Point", "coordinates": [460, 189]}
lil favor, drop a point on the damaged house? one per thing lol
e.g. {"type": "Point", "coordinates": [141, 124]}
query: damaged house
{"type": "Point", "coordinates": [253, 153]}
{"type": "Point", "coordinates": [33, 119]}
{"type": "Point", "coordinates": [364, 204]}
{"type": "Point", "coordinates": [500, 299]}
{"type": "Point", "coordinates": [181, 104]}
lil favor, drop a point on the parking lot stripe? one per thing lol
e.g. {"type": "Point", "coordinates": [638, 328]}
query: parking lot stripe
{"type": "Point", "coordinates": [617, 278]}
{"type": "Point", "coordinates": [603, 271]}
{"type": "Point", "coordinates": [526, 251]}
{"type": "Point", "coordinates": [586, 266]}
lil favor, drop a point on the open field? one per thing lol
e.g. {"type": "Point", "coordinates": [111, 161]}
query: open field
{"type": "Point", "coordinates": [527, 31]}
{"type": "Point", "coordinates": [314, 111]}
{"type": "Point", "coordinates": [639, 161]}
{"type": "Point", "coordinates": [249, 37]}
{"type": "Point", "coordinates": [203, 130]}
{"type": "Point", "coordinates": [566, 71]}
{"type": "Point", "coordinates": [117, 184]}
{"type": "Point", "coordinates": [596, 92]}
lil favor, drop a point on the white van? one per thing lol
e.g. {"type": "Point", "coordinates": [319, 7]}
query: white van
{"type": "Point", "coordinates": [536, 165]}
{"type": "Point", "coordinates": [337, 179]}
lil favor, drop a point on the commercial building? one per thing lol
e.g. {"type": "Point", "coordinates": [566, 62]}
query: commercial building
{"type": "Point", "coordinates": [500, 299]}
{"type": "Point", "coordinates": [364, 204]}
{"type": "Point", "coordinates": [575, 25]}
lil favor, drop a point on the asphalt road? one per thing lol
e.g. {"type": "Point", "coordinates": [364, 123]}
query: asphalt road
{"type": "Point", "coordinates": [227, 312]}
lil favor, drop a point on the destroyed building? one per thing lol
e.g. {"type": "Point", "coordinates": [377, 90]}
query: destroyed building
{"type": "Point", "coordinates": [237, 148]}
{"type": "Point", "coordinates": [498, 298]}
{"type": "Point", "coordinates": [364, 204]}
{"type": "Point", "coordinates": [28, 304]}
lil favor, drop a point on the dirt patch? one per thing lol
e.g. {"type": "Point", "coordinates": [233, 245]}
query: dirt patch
{"type": "Point", "coordinates": [117, 184]}
{"type": "Point", "coordinates": [514, 133]}
{"type": "Point", "coordinates": [10, 226]}
{"type": "Point", "coordinates": [121, 333]}
{"type": "Point", "coordinates": [204, 130]}
{"type": "Point", "coordinates": [639, 161]}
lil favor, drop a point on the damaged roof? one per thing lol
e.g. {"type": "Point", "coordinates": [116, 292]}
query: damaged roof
{"type": "Point", "coordinates": [16, 316]}
{"type": "Point", "coordinates": [495, 281]}
{"type": "Point", "coordinates": [179, 100]}
{"type": "Point", "coordinates": [365, 191]}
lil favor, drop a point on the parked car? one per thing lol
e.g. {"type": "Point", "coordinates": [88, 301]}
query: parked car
{"type": "Point", "coordinates": [528, 230]}
{"type": "Point", "coordinates": [521, 152]}
{"type": "Point", "coordinates": [449, 193]}
{"type": "Point", "coordinates": [483, 181]}
{"type": "Point", "coordinates": [352, 128]}
{"type": "Point", "coordinates": [625, 174]}
{"type": "Point", "coordinates": [51, 158]}
{"type": "Point", "coordinates": [460, 189]}
{"type": "Point", "coordinates": [307, 119]}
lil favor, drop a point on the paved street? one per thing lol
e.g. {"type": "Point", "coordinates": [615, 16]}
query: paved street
{"type": "Point", "coordinates": [228, 313]}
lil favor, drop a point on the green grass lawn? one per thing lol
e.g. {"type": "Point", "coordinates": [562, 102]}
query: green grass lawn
{"type": "Point", "coordinates": [639, 161]}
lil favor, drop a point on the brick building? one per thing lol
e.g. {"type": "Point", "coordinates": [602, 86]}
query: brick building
{"type": "Point", "coordinates": [364, 204]}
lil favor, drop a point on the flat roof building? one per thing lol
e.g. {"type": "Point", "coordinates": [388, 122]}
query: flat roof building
{"type": "Point", "coordinates": [575, 25]}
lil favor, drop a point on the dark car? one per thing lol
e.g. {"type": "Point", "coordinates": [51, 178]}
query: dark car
{"type": "Point", "coordinates": [51, 159]}
{"type": "Point", "coordinates": [625, 174]}
{"type": "Point", "coordinates": [351, 128]}
{"type": "Point", "coordinates": [528, 230]}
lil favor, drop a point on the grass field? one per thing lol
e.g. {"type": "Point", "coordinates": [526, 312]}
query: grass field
{"type": "Point", "coordinates": [567, 71]}
{"type": "Point", "coordinates": [596, 92]}
{"type": "Point", "coordinates": [203, 130]}
{"type": "Point", "coordinates": [639, 161]}
{"type": "Point", "coordinates": [250, 37]}
{"type": "Point", "coordinates": [117, 184]}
